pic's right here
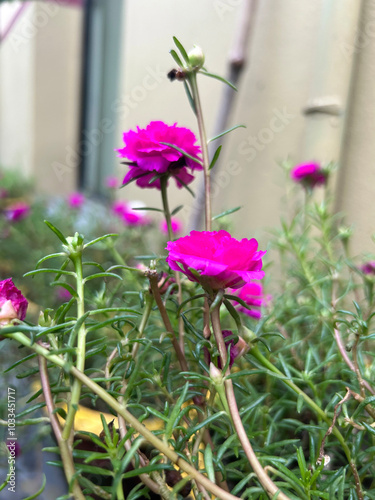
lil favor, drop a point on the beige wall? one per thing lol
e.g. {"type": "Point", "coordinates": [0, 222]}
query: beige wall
{"type": "Point", "coordinates": [16, 99]}
{"type": "Point", "coordinates": [356, 187]}
{"type": "Point", "coordinates": [39, 94]}
{"type": "Point", "coordinates": [301, 50]}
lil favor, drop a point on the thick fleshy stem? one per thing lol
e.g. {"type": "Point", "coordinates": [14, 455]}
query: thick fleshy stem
{"type": "Point", "coordinates": [80, 350]}
{"type": "Point", "coordinates": [120, 492]}
{"type": "Point", "coordinates": [203, 141]}
{"type": "Point", "coordinates": [269, 486]}
{"type": "Point", "coordinates": [152, 275]}
{"type": "Point", "coordinates": [65, 451]}
{"type": "Point", "coordinates": [168, 219]}
{"type": "Point", "coordinates": [267, 364]}
{"type": "Point", "coordinates": [129, 418]}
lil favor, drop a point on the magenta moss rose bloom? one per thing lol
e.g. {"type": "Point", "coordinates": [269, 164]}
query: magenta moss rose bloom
{"type": "Point", "coordinates": [125, 210]}
{"type": "Point", "coordinates": [175, 223]}
{"type": "Point", "coordinates": [149, 159]}
{"type": "Point", "coordinates": [76, 200]}
{"type": "Point", "coordinates": [215, 259]}
{"type": "Point", "coordinates": [111, 182]}
{"type": "Point", "coordinates": [309, 174]}
{"type": "Point", "coordinates": [252, 294]}
{"type": "Point", "coordinates": [13, 304]}
{"type": "Point", "coordinates": [17, 211]}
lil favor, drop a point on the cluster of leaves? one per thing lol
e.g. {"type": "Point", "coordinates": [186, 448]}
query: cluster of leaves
{"type": "Point", "coordinates": [323, 293]}
{"type": "Point", "coordinates": [305, 389]}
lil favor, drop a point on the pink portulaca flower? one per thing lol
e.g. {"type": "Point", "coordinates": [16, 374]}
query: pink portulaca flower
{"type": "Point", "coordinates": [63, 294]}
{"type": "Point", "coordinates": [17, 211]}
{"type": "Point", "coordinates": [76, 200]}
{"type": "Point", "coordinates": [111, 182]}
{"type": "Point", "coordinates": [13, 304]}
{"type": "Point", "coordinates": [252, 295]}
{"type": "Point", "coordinates": [125, 210]}
{"type": "Point", "coordinates": [149, 159]}
{"type": "Point", "coordinates": [309, 174]}
{"type": "Point", "coordinates": [176, 226]}
{"type": "Point", "coordinates": [215, 259]}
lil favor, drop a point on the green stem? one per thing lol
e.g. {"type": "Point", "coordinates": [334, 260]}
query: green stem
{"type": "Point", "coordinates": [129, 418]}
{"type": "Point", "coordinates": [203, 140]}
{"type": "Point", "coordinates": [80, 351]}
{"type": "Point", "coordinates": [120, 492]}
{"type": "Point", "coordinates": [267, 364]}
{"type": "Point", "coordinates": [149, 301]}
{"type": "Point", "coordinates": [269, 486]}
{"type": "Point", "coordinates": [168, 219]}
{"type": "Point", "coordinates": [115, 254]}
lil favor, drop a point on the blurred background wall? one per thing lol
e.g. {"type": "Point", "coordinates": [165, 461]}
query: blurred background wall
{"type": "Point", "coordinates": [76, 74]}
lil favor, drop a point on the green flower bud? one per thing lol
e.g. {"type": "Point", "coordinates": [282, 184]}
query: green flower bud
{"type": "Point", "coordinates": [45, 319]}
{"type": "Point", "coordinates": [345, 233]}
{"type": "Point", "coordinates": [215, 375]}
{"type": "Point", "coordinates": [248, 337]}
{"type": "Point", "coordinates": [75, 245]}
{"type": "Point", "coordinates": [196, 57]}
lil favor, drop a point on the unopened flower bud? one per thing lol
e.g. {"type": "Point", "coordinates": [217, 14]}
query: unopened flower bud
{"type": "Point", "coordinates": [196, 57]}
{"type": "Point", "coordinates": [248, 335]}
{"type": "Point", "coordinates": [74, 245]}
{"type": "Point", "coordinates": [206, 332]}
{"type": "Point", "coordinates": [215, 375]}
{"type": "Point", "coordinates": [345, 233]}
{"type": "Point", "coordinates": [45, 319]}
{"type": "Point", "coordinates": [165, 282]}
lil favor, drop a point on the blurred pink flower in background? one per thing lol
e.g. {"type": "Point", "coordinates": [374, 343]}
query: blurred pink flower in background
{"type": "Point", "coordinates": [218, 260]}
{"type": "Point", "coordinates": [176, 226]}
{"type": "Point", "coordinates": [63, 294]}
{"type": "Point", "coordinates": [149, 158]}
{"type": "Point", "coordinates": [111, 182]}
{"type": "Point", "coordinates": [14, 448]}
{"type": "Point", "coordinates": [309, 174]}
{"type": "Point", "coordinates": [119, 207]}
{"type": "Point", "coordinates": [76, 200]}
{"type": "Point", "coordinates": [252, 294]}
{"type": "Point", "coordinates": [17, 211]}
{"type": "Point", "coordinates": [368, 267]}
{"type": "Point", "coordinates": [125, 210]}
{"type": "Point", "coordinates": [13, 304]}
{"type": "Point", "coordinates": [3, 193]}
